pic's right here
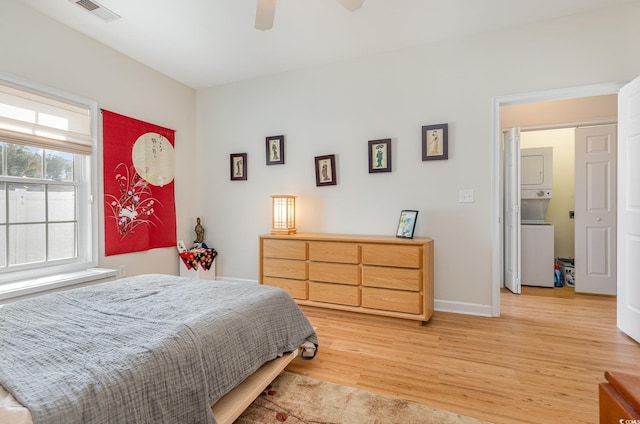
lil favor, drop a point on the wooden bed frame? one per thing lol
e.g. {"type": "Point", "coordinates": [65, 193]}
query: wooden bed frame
{"type": "Point", "coordinates": [232, 405]}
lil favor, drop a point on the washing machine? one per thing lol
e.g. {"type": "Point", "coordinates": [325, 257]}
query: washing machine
{"type": "Point", "coordinates": [537, 254]}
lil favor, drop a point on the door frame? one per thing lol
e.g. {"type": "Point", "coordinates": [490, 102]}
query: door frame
{"type": "Point", "coordinates": [497, 243]}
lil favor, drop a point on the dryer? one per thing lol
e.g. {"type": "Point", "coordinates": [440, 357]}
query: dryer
{"type": "Point", "coordinates": [536, 183]}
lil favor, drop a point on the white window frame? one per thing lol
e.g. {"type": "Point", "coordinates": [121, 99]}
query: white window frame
{"type": "Point", "coordinates": [87, 241]}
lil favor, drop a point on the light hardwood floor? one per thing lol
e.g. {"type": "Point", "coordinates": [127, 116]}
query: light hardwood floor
{"type": "Point", "coordinates": [540, 362]}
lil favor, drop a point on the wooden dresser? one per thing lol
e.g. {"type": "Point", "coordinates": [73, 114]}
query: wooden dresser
{"type": "Point", "coordinates": [381, 275]}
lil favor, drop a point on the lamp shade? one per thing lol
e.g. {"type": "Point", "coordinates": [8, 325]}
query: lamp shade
{"type": "Point", "coordinates": [284, 214]}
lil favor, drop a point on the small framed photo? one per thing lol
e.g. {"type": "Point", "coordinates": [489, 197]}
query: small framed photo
{"type": "Point", "coordinates": [275, 150]}
{"type": "Point", "coordinates": [380, 155]}
{"type": "Point", "coordinates": [407, 224]}
{"type": "Point", "coordinates": [435, 142]}
{"type": "Point", "coordinates": [238, 166]}
{"type": "Point", "coordinates": [326, 170]}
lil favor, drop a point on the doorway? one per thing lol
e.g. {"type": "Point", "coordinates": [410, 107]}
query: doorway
{"type": "Point", "coordinates": [552, 109]}
{"type": "Point", "coordinates": [582, 184]}
{"type": "Point", "coordinates": [550, 233]}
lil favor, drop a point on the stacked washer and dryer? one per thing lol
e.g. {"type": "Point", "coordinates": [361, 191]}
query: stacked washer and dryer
{"type": "Point", "coordinates": [536, 190]}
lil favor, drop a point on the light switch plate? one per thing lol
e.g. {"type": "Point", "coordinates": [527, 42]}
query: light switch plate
{"type": "Point", "coordinates": [466, 196]}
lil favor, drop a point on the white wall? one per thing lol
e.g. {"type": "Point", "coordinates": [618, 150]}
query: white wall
{"type": "Point", "coordinates": [37, 49]}
{"type": "Point", "coordinates": [337, 108]}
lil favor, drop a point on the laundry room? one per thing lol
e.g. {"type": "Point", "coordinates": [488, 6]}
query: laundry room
{"type": "Point", "coordinates": [566, 197]}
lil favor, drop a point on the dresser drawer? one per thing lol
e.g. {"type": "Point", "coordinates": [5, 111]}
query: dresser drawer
{"type": "Point", "coordinates": [296, 288]}
{"type": "Point", "coordinates": [334, 273]}
{"type": "Point", "coordinates": [334, 293]}
{"type": "Point", "coordinates": [284, 268]}
{"type": "Point", "coordinates": [392, 300]}
{"type": "Point", "coordinates": [285, 249]}
{"type": "Point", "coordinates": [392, 255]}
{"type": "Point", "coordinates": [392, 278]}
{"type": "Point", "coordinates": [324, 251]}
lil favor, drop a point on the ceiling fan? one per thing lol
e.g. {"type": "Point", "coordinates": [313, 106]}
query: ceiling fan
{"type": "Point", "coordinates": [267, 8]}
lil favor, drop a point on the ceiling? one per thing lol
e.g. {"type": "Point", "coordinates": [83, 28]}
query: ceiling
{"type": "Point", "coordinates": [203, 43]}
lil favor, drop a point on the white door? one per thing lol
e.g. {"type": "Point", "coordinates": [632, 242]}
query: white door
{"type": "Point", "coordinates": [512, 210]}
{"type": "Point", "coordinates": [629, 209]}
{"type": "Point", "coordinates": [595, 209]}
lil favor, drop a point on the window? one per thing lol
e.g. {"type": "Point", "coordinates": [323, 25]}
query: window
{"type": "Point", "coordinates": [47, 164]}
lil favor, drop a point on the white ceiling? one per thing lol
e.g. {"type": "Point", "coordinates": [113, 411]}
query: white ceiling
{"type": "Point", "coordinates": [203, 43]}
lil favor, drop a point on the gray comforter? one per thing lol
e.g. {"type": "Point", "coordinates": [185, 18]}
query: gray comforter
{"type": "Point", "coordinates": [147, 349]}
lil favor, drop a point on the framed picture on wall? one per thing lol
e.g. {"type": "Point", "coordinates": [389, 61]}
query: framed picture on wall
{"type": "Point", "coordinates": [275, 150]}
{"type": "Point", "coordinates": [435, 142]}
{"type": "Point", "coordinates": [326, 170]}
{"type": "Point", "coordinates": [380, 155]}
{"type": "Point", "coordinates": [407, 224]}
{"type": "Point", "coordinates": [238, 166]}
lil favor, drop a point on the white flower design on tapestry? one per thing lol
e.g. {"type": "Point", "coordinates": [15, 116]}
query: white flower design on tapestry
{"type": "Point", "coordinates": [135, 205]}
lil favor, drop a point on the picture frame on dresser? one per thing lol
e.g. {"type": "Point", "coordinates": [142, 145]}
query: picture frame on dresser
{"type": "Point", "coordinates": [275, 150]}
{"type": "Point", "coordinates": [326, 170]}
{"type": "Point", "coordinates": [407, 224]}
{"type": "Point", "coordinates": [238, 166]}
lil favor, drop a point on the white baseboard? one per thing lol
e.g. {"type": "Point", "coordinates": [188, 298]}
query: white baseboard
{"type": "Point", "coordinates": [238, 280]}
{"type": "Point", "coordinates": [462, 308]}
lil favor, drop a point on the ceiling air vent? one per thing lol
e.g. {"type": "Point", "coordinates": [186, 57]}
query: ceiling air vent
{"type": "Point", "coordinates": [97, 9]}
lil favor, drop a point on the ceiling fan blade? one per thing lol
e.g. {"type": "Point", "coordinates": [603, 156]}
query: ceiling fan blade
{"type": "Point", "coordinates": [351, 5]}
{"type": "Point", "coordinates": [264, 14]}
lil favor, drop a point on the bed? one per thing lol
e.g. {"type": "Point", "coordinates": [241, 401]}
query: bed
{"type": "Point", "coordinates": [146, 349]}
